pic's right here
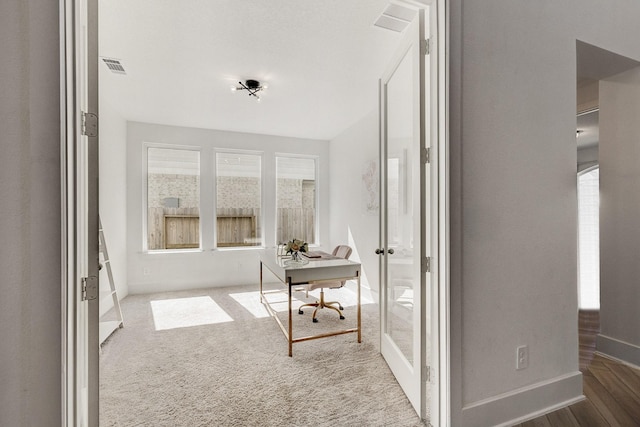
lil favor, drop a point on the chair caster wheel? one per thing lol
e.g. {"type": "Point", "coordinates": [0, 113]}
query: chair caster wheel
{"type": "Point", "coordinates": [300, 312]}
{"type": "Point", "coordinates": [341, 317]}
{"type": "Point", "coordinates": [315, 320]}
{"type": "Point", "coordinates": [341, 307]}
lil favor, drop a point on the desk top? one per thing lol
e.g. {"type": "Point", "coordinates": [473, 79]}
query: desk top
{"type": "Point", "coordinates": [316, 270]}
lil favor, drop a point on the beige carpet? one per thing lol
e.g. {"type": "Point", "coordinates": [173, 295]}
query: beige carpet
{"type": "Point", "coordinates": [231, 367]}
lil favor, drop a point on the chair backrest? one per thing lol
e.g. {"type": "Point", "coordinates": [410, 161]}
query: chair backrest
{"type": "Point", "coordinates": [342, 251]}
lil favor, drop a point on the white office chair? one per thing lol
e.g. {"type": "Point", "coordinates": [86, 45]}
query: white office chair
{"type": "Point", "coordinates": [342, 251]}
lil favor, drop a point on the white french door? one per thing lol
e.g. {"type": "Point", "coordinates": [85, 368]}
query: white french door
{"type": "Point", "coordinates": [80, 192]}
{"type": "Point", "coordinates": [408, 226]}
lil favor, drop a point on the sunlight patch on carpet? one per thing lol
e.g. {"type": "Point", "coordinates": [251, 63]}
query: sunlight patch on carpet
{"type": "Point", "coordinates": [186, 312]}
{"type": "Point", "coordinates": [251, 302]}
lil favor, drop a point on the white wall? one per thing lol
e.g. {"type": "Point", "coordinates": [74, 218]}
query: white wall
{"type": "Point", "coordinates": [30, 255]}
{"type": "Point", "coordinates": [153, 272]}
{"type": "Point", "coordinates": [351, 223]}
{"type": "Point", "coordinates": [587, 96]}
{"type": "Point", "coordinates": [587, 99]}
{"type": "Point", "coordinates": [513, 198]}
{"type": "Point", "coordinates": [620, 217]}
{"type": "Point", "coordinates": [587, 157]}
{"type": "Point", "coordinates": [113, 199]}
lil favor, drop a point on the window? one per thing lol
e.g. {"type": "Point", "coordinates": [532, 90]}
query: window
{"type": "Point", "coordinates": [589, 239]}
{"type": "Point", "coordinates": [296, 199]}
{"type": "Point", "coordinates": [238, 199]}
{"type": "Point", "coordinates": [173, 198]}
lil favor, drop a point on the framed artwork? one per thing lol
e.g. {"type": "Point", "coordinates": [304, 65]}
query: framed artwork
{"type": "Point", "coordinates": [370, 188]}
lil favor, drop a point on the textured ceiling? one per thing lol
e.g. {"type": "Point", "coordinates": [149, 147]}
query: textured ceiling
{"type": "Point", "coordinates": [321, 60]}
{"type": "Point", "coordinates": [594, 63]}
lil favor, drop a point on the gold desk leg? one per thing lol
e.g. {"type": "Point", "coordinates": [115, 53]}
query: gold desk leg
{"type": "Point", "coordinates": [261, 281]}
{"type": "Point", "coordinates": [290, 322]}
{"type": "Point", "coordinates": [359, 312]}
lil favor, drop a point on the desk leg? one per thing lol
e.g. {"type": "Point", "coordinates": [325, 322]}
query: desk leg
{"type": "Point", "coordinates": [290, 322]}
{"type": "Point", "coordinates": [359, 313]}
{"type": "Point", "coordinates": [261, 281]}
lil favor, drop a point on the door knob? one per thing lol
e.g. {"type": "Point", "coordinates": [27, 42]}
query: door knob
{"type": "Point", "coordinates": [381, 251]}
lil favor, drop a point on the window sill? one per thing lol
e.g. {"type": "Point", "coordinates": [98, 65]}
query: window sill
{"type": "Point", "coordinates": [172, 251]}
{"type": "Point", "coordinates": [238, 248]}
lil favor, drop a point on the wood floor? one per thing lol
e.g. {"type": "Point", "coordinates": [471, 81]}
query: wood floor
{"type": "Point", "coordinates": [612, 389]}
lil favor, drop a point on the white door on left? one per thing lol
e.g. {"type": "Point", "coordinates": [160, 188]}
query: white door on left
{"type": "Point", "coordinates": [80, 189]}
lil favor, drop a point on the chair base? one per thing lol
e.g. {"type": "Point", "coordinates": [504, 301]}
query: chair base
{"type": "Point", "coordinates": [322, 304]}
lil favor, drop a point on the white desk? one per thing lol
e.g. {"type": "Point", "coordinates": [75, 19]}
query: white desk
{"type": "Point", "coordinates": [316, 271]}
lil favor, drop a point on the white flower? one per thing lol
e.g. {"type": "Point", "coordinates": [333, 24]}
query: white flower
{"type": "Point", "coordinates": [296, 245]}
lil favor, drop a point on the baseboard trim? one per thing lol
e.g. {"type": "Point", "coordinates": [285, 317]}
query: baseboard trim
{"type": "Point", "coordinates": [525, 403]}
{"type": "Point", "coordinates": [544, 411]}
{"type": "Point", "coordinates": [155, 287]}
{"type": "Point", "coordinates": [619, 350]}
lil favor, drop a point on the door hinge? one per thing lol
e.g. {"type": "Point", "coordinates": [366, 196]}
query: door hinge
{"type": "Point", "coordinates": [425, 155]}
{"type": "Point", "coordinates": [426, 373]}
{"type": "Point", "coordinates": [426, 264]}
{"type": "Point", "coordinates": [426, 47]}
{"type": "Point", "coordinates": [89, 124]}
{"type": "Point", "coordinates": [89, 288]}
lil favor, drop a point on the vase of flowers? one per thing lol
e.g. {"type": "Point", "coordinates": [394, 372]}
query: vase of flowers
{"type": "Point", "coordinates": [295, 247]}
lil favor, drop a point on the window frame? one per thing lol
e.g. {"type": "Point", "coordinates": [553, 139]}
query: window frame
{"type": "Point", "coordinates": [580, 243]}
{"type": "Point", "coordinates": [145, 196]}
{"type": "Point", "coordinates": [261, 218]}
{"type": "Point", "coordinates": [316, 227]}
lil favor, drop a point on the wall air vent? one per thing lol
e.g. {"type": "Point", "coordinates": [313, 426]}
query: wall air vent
{"type": "Point", "coordinates": [114, 65]}
{"type": "Point", "coordinates": [395, 18]}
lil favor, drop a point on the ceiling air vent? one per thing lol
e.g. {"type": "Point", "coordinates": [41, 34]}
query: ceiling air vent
{"type": "Point", "coordinates": [114, 65]}
{"type": "Point", "coordinates": [395, 18]}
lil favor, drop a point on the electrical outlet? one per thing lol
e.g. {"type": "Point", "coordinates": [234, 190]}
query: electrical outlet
{"type": "Point", "coordinates": [522, 357]}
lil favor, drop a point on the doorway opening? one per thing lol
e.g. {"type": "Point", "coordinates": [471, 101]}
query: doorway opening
{"type": "Point", "coordinates": [117, 166]}
{"type": "Point", "coordinates": [597, 117]}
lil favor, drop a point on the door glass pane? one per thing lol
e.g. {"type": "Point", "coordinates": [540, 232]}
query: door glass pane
{"type": "Point", "coordinates": [400, 218]}
{"type": "Point", "coordinates": [393, 201]}
{"type": "Point", "coordinates": [238, 200]}
{"type": "Point", "coordinates": [296, 199]}
{"type": "Point", "coordinates": [173, 199]}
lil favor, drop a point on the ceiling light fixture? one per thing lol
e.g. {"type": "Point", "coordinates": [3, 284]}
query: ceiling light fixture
{"type": "Point", "coordinates": [251, 86]}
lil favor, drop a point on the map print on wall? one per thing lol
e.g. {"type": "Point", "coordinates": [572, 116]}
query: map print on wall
{"type": "Point", "coordinates": [370, 188]}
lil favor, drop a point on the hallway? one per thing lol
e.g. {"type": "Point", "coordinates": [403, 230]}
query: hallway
{"type": "Point", "coordinates": [612, 389]}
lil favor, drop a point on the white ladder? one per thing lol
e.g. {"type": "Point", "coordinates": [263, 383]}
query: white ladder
{"type": "Point", "coordinates": [108, 326]}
